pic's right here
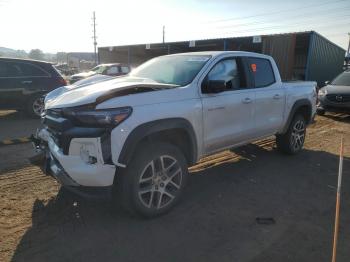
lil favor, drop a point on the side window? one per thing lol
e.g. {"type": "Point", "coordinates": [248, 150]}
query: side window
{"type": "Point", "coordinates": [262, 72]}
{"type": "Point", "coordinates": [31, 70]}
{"type": "Point", "coordinates": [125, 69]}
{"type": "Point", "coordinates": [3, 69]}
{"type": "Point", "coordinates": [13, 70]}
{"type": "Point", "coordinates": [231, 71]}
{"type": "Point", "coordinates": [112, 70]}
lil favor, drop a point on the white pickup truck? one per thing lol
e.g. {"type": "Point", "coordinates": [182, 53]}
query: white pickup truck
{"type": "Point", "coordinates": [137, 134]}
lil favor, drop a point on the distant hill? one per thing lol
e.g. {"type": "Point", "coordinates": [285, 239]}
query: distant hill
{"type": "Point", "coordinates": [7, 50]}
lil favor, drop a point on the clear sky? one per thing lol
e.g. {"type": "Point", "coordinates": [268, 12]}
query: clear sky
{"type": "Point", "coordinates": [65, 25]}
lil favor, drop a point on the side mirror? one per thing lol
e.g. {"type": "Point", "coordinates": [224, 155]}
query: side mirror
{"type": "Point", "coordinates": [216, 86]}
{"type": "Point", "coordinates": [326, 82]}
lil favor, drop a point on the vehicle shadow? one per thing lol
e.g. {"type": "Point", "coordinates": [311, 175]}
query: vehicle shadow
{"type": "Point", "coordinates": [214, 222]}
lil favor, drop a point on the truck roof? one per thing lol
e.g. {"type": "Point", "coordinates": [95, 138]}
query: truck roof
{"type": "Point", "coordinates": [219, 53]}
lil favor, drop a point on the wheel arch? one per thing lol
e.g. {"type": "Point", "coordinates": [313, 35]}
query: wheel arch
{"type": "Point", "coordinates": [177, 131]}
{"type": "Point", "coordinates": [303, 107]}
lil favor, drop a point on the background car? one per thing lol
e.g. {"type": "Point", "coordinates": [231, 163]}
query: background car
{"type": "Point", "coordinates": [335, 96]}
{"type": "Point", "coordinates": [103, 69]}
{"type": "Point", "coordinates": [23, 84]}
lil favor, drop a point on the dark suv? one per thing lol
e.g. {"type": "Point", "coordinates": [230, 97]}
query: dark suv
{"type": "Point", "coordinates": [23, 84]}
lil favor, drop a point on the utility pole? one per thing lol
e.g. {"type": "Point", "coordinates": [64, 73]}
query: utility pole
{"type": "Point", "coordinates": [349, 45]}
{"type": "Point", "coordinates": [163, 34]}
{"type": "Point", "coordinates": [95, 37]}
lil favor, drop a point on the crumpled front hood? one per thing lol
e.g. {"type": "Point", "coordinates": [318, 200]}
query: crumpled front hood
{"type": "Point", "coordinates": [79, 84]}
{"type": "Point", "coordinates": [102, 91]}
{"type": "Point", "coordinates": [333, 89]}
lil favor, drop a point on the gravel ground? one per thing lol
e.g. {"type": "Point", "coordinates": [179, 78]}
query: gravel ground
{"type": "Point", "coordinates": [215, 221]}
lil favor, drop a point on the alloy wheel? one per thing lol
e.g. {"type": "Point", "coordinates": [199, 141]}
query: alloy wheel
{"type": "Point", "coordinates": [160, 182]}
{"type": "Point", "coordinates": [38, 106]}
{"type": "Point", "coordinates": [298, 135]}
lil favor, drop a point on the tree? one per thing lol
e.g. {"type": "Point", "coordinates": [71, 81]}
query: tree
{"type": "Point", "coordinates": [20, 54]}
{"type": "Point", "coordinates": [36, 54]}
{"type": "Point", "coordinates": [61, 57]}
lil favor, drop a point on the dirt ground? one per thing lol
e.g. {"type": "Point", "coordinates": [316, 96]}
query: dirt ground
{"type": "Point", "coordinates": [215, 221]}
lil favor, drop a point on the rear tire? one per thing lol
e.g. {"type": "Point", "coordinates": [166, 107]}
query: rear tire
{"type": "Point", "coordinates": [35, 106]}
{"type": "Point", "coordinates": [153, 181]}
{"type": "Point", "coordinates": [293, 140]}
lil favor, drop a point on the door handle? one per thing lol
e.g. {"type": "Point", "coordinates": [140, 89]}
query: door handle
{"type": "Point", "coordinates": [27, 82]}
{"type": "Point", "coordinates": [246, 100]}
{"type": "Point", "coordinates": [216, 108]}
{"type": "Point", "coordinates": [277, 96]}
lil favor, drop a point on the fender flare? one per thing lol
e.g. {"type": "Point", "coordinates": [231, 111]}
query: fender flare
{"type": "Point", "coordinates": [149, 128]}
{"type": "Point", "coordinates": [298, 104]}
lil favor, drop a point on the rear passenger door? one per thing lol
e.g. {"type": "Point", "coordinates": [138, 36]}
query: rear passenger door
{"type": "Point", "coordinates": [228, 116]}
{"type": "Point", "coordinates": [10, 88]}
{"type": "Point", "coordinates": [269, 97]}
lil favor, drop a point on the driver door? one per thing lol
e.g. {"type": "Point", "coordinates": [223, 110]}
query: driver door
{"type": "Point", "coordinates": [228, 116]}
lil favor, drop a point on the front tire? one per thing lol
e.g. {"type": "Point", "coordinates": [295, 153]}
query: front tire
{"type": "Point", "coordinates": [292, 141]}
{"type": "Point", "coordinates": [153, 181]}
{"type": "Point", "coordinates": [35, 106]}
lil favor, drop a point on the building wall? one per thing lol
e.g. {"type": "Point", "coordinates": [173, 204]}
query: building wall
{"type": "Point", "coordinates": [325, 60]}
{"type": "Point", "coordinates": [281, 48]}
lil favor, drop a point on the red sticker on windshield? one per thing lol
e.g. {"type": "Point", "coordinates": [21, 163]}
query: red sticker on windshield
{"type": "Point", "coordinates": [253, 66]}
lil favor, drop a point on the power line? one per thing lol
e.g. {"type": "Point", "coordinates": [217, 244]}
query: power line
{"type": "Point", "coordinates": [337, 34]}
{"type": "Point", "coordinates": [304, 16]}
{"type": "Point", "coordinates": [285, 28]}
{"type": "Point", "coordinates": [328, 24]}
{"type": "Point", "coordinates": [284, 25]}
{"type": "Point", "coordinates": [276, 12]}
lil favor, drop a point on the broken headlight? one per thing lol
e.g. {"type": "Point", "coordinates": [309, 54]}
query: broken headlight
{"type": "Point", "coordinates": [98, 117]}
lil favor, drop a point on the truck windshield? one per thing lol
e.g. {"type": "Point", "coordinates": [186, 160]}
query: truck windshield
{"type": "Point", "coordinates": [177, 70]}
{"type": "Point", "coordinates": [342, 80]}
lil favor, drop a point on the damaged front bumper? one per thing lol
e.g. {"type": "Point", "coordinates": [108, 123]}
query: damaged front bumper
{"type": "Point", "coordinates": [82, 168]}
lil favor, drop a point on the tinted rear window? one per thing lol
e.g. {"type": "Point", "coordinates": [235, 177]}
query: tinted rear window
{"type": "Point", "coordinates": [262, 71]}
{"type": "Point", "coordinates": [31, 70]}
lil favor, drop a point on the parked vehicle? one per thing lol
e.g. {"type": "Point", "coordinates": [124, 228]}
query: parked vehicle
{"type": "Point", "coordinates": [335, 96]}
{"type": "Point", "coordinates": [138, 134]}
{"type": "Point", "coordinates": [103, 69]}
{"type": "Point", "coordinates": [66, 70]}
{"type": "Point", "coordinates": [23, 84]}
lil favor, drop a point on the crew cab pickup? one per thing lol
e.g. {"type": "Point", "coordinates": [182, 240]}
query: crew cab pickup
{"type": "Point", "coordinates": [138, 134]}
